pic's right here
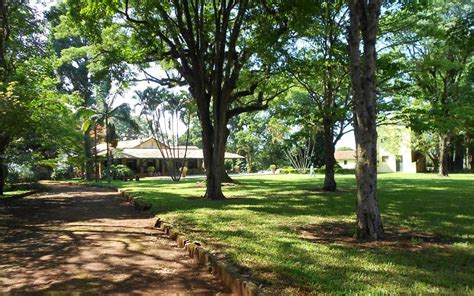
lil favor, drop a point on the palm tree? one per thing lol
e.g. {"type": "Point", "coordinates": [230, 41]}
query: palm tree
{"type": "Point", "coordinates": [104, 113]}
{"type": "Point", "coordinates": [164, 111]}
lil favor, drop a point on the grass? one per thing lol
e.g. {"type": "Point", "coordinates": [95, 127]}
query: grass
{"type": "Point", "coordinates": [14, 193]}
{"type": "Point", "coordinates": [257, 229]}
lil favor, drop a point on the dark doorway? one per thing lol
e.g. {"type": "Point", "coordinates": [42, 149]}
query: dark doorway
{"type": "Point", "coordinates": [399, 163]}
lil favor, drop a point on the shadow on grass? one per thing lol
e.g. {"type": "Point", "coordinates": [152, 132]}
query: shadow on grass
{"type": "Point", "coordinates": [257, 226]}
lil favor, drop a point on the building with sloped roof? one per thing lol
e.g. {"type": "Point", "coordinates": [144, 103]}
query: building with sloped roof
{"type": "Point", "coordinates": [140, 154]}
{"type": "Point", "coordinates": [346, 159]}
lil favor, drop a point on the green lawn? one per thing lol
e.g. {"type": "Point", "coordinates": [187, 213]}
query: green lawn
{"type": "Point", "coordinates": [14, 193]}
{"type": "Point", "coordinates": [258, 228]}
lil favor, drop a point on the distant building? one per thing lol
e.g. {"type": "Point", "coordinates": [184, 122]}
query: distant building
{"type": "Point", "coordinates": [346, 159]}
{"type": "Point", "coordinates": [395, 152]}
{"type": "Point", "coordinates": [140, 154]}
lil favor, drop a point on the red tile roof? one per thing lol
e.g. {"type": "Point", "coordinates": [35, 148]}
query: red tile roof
{"type": "Point", "coordinates": [344, 155]}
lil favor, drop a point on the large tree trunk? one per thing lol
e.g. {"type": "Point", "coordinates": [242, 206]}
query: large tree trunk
{"type": "Point", "coordinates": [443, 154]}
{"type": "Point", "coordinates": [214, 174]}
{"type": "Point", "coordinates": [364, 19]}
{"type": "Point", "coordinates": [329, 181]}
{"type": "Point", "coordinates": [214, 142]}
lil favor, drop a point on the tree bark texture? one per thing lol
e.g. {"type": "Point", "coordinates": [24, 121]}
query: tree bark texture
{"type": "Point", "coordinates": [444, 143]}
{"type": "Point", "coordinates": [214, 151]}
{"type": "Point", "coordinates": [330, 161]}
{"type": "Point", "coordinates": [89, 162]}
{"type": "Point", "coordinates": [364, 17]}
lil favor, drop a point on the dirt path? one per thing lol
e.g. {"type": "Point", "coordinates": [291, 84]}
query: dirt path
{"type": "Point", "coordinates": [79, 239]}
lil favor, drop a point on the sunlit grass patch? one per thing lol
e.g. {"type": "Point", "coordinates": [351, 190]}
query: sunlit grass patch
{"type": "Point", "coordinates": [258, 228]}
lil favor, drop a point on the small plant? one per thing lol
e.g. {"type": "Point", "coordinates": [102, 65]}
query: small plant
{"type": "Point", "coordinates": [237, 169]}
{"type": "Point", "coordinates": [273, 167]}
{"type": "Point", "coordinates": [150, 170]}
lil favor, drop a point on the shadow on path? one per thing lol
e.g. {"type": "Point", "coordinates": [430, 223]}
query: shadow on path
{"type": "Point", "coordinates": [82, 239]}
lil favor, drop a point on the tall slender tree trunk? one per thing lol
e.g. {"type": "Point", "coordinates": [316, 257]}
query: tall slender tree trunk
{"type": "Point", "coordinates": [96, 158]}
{"type": "Point", "coordinates": [89, 162]}
{"type": "Point", "coordinates": [329, 160]}
{"type": "Point", "coordinates": [2, 174]}
{"type": "Point", "coordinates": [471, 153]}
{"type": "Point", "coordinates": [364, 16]}
{"type": "Point", "coordinates": [2, 168]}
{"type": "Point", "coordinates": [109, 156]}
{"type": "Point", "coordinates": [88, 165]}
{"type": "Point", "coordinates": [444, 143]}
{"type": "Point", "coordinates": [459, 154]}
{"type": "Point", "coordinates": [248, 157]}
{"type": "Point", "coordinates": [4, 141]}
{"type": "Point", "coordinates": [4, 77]}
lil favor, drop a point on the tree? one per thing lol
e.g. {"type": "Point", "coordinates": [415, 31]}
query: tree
{"type": "Point", "coordinates": [164, 112]}
{"type": "Point", "coordinates": [73, 71]}
{"type": "Point", "coordinates": [81, 66]}
{"type": "Point", "coordinates": [223, 50]}
{"type": "Point", "coordinates": [19, 44]}
{"type": "Point", "coordinates": [364, 18]}
{"type": "Point", "coordinates": [320, 67]}
{"type": "Point", "coordinates": [438, 64]}
{"type": "Point", "coordinates": [105, 114]}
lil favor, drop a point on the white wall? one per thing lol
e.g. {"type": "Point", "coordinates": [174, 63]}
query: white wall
{"type": "Point", "coordinates": [390, 163]}
{"type": "Point", "coordinates": [350, 163]}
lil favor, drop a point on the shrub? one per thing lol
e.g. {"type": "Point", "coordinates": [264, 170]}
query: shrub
{"type": "Point", "coordinates": [288, 170]}
{"type": "Point", "coordinates": [337, 170]}
{"type": "Point", "coordinates": [61, 173]}
{"type": "Point", "coordinates": [20, 174]}
{"type": "Point", "coordinates": [119, 171]}
{"type": "Point", "coordinates": [150, 169]}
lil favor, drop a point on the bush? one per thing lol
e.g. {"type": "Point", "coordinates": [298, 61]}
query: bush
{"type": "Point", "coordinates": [337, 170]}
{"type": "Point", "coordinates": [150, 169]}
{"type": "Point", "coordinates": [61, 173]}
{"type": "Point", "coordinates": [119, 171]}
{"type": "Point", "coordinates": [20, 174]}
{"type": "Point", "coordinates": [286, 170]}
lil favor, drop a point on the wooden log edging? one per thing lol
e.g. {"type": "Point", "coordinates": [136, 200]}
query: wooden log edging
{"type": "Point", "coordinates": [227, 274]}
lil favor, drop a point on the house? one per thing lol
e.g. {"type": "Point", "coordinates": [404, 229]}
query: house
{"type": "Point", "coordinates": [140, 154]}
{"type": "Point", "coordinates": [395, 152]}
{"type": "Point", "coordinates": [346, 159]}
